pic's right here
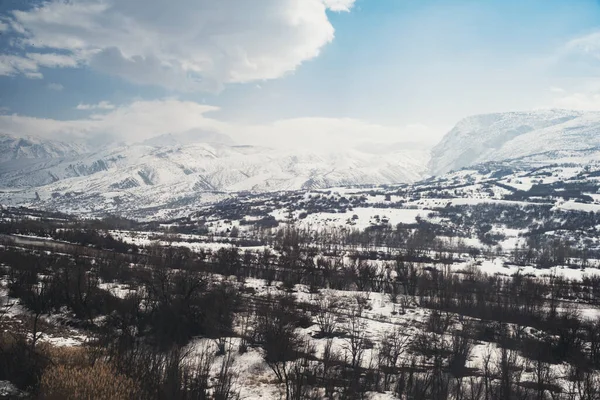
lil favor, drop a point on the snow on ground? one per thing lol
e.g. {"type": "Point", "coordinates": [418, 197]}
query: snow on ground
{"type": "Point", "coordinates": [513, 239]}
{"type": "Point", "coordinates": [254, 381]}
{"type": "Point", "coordinates": [499, 266]}
{"type": "Point", "coordinates": [9, 306]}
{"type": "Point", "coordinates": [195, 243]}
{"type": "Point", "coordinates": [437, 203]}
{"type": "Point", "coordinates": [380, 315]}
{"type": "Point", "coordinates": [572, 205]}
{"type": "Point", "coordinates": [363, 217]}
{"type": "Point", "coordinates": [117, 289]}
{"type": "Point", "coordinates": [595, 196]}
{"type": "Point", "coordinates": [521, 183]}
{"type": "Point", "coordinates": [58, 341]}
{"type": "Point", "coordinates": [10, 391]}
{"type": "Point", "coordinates": [11, 309]}
{"type": "Point", "coordinates": [588, 312]}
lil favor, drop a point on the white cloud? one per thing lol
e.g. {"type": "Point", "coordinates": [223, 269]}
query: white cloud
{"type": "Point", "coordinates": [186, 45]}
{"type": "Point", "coordinates": [339, 5]}
{"type": "Point", "coordinates": [55, 86]}
{"type": "Point", "coordinates": [34, 75]}
{"type": "Point", "coordinates": [29, 64]}
{"type": "Point", "coordinates": [103, 105]}
{"type": "Point", "coordinates": [52, 60]}
{"type": "Point", "coordinates": [136, 121]}
{"type": "Point", "coordinates": [145, 119]}
{"type": "Point", "coordinates": [579, 57]}
{"type": "Point", "coordinates": [12, 65]}
{"type": "Point", "coordinates": [586, 45]}
{"type": "Point", "coordinates": [3, 26]}
{"type": "Point", "coordinates": [585, 101]}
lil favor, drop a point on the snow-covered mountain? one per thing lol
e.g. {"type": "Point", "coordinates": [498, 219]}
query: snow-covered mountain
{"type": "Point", "coordinates": [30, 148]}
{"type": "Point", "coordinates": [196, 167]}
{"type": "Point", "coordinates": [545, 136]}
{"type": "Point", "coordinates": [152, 175]}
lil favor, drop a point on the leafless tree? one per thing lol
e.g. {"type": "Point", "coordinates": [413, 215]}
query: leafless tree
{"type": "Point", "coordinates": [393, 344]}
{"type": "Point", "coordinates": [326, 314]}
{"type": "Point", "coordinates": [355, 332]}
{"type": "Point", "coordinates": [224, 388]}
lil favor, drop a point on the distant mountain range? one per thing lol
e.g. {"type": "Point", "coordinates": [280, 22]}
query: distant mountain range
{"type": "Point", "coordinates": [189, 169]}
{"type": "Point", "coordinates": [196, 167]}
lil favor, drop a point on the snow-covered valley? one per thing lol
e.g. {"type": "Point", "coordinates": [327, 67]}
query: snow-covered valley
{"type": "Point", "coordinates": [235, 272]}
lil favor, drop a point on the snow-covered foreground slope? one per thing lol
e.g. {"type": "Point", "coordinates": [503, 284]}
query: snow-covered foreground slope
{"type": "Point", "coordinates": [542, 137]}
{"type": "Point", "coordinates": [351, 306]}
{"type": "Point", "coordinates": [148, 176]}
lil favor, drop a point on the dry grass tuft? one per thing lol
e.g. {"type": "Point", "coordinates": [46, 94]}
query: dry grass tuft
{"type": "Point", "coordinates": [69, 356]}
{"type": "Point", "coordinates": [73, 381]}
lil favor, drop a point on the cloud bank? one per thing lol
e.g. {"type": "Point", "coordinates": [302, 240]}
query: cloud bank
{"type": "Point", "coordinates": [187, 45]}
{"type": "Point", "coordinates": [103, 105]}
{"type": "Point", "coordinates": [142, 120]}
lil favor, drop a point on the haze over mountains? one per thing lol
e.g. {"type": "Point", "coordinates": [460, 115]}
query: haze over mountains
{"type": "Point", "coordinates": [192, 166]}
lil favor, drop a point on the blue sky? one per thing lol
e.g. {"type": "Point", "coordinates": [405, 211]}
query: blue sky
{"type": "Point", "coordinates": [289, 72]}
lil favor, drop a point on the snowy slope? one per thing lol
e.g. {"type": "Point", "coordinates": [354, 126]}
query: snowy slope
{"type": "Point", "coordinates": [544, 136]}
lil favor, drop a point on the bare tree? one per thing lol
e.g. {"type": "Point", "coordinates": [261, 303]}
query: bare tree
{"type": "Point", "coordinates": [356, 335]}
{"type": "Point", "coordinates": [276, 331]}
{"type": "Point", "coordinates": [224, 388]}
{"type": "Point", "coordinates": [38, 304]}
{"type": "Point", "coordinates": [439, 321]}
{"type": "Point", "coordinates": [299, 373]}
{"type": "Point", "coordinates": [326, 316]}
{"type": "Point", "coordinates": [461, 348]}
{"type": "Point", "coordinates": [509, 371]}
{"type": "Point", "coordinates": [393, 345]}
{"type": "Point", "coordinates": [331, 360]}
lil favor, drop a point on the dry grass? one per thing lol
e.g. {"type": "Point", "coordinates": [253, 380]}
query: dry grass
{"type": "Point", "coordinates": [69, 356]}
{"type": "Point", "coordinates": [99, 382]}
{"type": "Point", "coordinates": [73, 376]}
{"type": "Point", "coordinates": [63, 373]}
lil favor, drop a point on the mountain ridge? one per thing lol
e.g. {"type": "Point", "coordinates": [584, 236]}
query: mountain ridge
{"type": "Point", "coordinates": [557, 134]}
{"type": "Point", "coordinates": [147, 176]}
{"type": "Point", "coordinates": [195, 166]}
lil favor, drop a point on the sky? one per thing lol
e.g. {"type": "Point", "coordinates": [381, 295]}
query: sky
{"type": "Point", "coordinates": [289, 73]}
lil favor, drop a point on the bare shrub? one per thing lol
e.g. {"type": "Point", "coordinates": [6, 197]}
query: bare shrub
{"type": "Point", "coordinates": [224, 388]}
{"type": "Point", "coordinates": [19, 362]}
{"type": "Point", "coordinates": [393, 345]}
{"type": "Point", "coordinates": [326, 317]}
{"type": "Point", "coordinates": [439, 321]}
